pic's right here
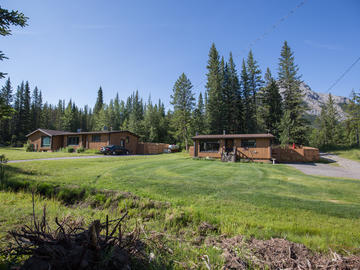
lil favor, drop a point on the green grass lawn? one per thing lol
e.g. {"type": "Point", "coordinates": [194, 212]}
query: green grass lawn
{"type": "Point", "coordinates": [19, 153]}
{"type": "Point", "coordinates": [256, 200]}
{"type": "Point", "coordinates": [353, 154]}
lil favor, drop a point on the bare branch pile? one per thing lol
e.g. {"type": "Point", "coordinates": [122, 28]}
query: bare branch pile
{"type": "Point", "coordinates": [71, 246]}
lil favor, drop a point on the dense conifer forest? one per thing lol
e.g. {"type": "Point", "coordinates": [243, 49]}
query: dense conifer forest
{"type": "Point", "coordinates": [235, 100]}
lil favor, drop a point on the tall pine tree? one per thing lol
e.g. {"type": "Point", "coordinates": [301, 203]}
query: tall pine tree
{"type": "Point", "coordinates": [214, 88]}
{"type": "Point", "coordinates": [183, 101]}
{"type": "Point", "coordinates": [289, 80]}
{"type": "Point", "coordinates": [99, 101]}
{"type": "Point", "coordinates": [270, 105]}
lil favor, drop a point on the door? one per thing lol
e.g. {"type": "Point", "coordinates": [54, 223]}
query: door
{"type": "Point", "coordinates": [229, 145]}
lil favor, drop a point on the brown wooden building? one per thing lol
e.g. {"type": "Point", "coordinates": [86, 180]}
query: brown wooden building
{"type": "Point", "coordinates": [52, 140]}
{"type": "Point", "coordinates": [233, 146]}
{"type": "Point", "coordinates": [255, 147]}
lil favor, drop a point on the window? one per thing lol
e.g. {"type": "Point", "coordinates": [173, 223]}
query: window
{"type": "Point", "coordinates": [248, 143]}
{"type": "Point", "coordinates": [122, 143]}
{"type": "Point", "coordinates": [45, 141]}
{"type": "Point", "coordinates": [73, 141]}
{"type": "Point", "coordinates": [209, 146]}
{"type": "Point", "coordinates": [127, 139]}
{"type": "Point", "coordinates": [96, 138]}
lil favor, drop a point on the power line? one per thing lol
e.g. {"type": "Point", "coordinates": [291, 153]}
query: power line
{"type": "Point", "coordinates": [342, 75]}
{"type": "Point", "coordinates": [267, 32]}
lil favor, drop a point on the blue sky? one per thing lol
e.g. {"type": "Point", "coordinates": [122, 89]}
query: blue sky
{"type": "Point", "coordinates": [70, 48]}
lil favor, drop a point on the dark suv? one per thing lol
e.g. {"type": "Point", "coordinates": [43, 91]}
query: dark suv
{"type": "Point", "coordinates": [114, 150]}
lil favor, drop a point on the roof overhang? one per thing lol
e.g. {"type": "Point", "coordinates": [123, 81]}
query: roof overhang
{"type": "Point", "coordinates": [233, 136]}
{"type": "Point", "coordinates": [40, 130]}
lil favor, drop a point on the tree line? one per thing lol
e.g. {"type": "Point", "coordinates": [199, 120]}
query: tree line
{"type": "Point", "coordinates": [234, 101]}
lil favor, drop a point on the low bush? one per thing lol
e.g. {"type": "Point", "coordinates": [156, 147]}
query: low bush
{"type": "Point", "coordinates": [80, 150]}
{"type": "Point", "coordinates": [29, 147]}
{"type": "Point", "coordinates": [68, 149]}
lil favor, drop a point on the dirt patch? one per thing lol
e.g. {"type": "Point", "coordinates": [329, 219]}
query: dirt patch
{"type": "Point", "coordinates": [278, 254]}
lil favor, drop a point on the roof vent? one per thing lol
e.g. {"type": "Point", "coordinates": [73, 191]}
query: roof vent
{"type": "Point", "coordinates": [224, 132]}
{"type": "Point", "coordinates": [79, 130]}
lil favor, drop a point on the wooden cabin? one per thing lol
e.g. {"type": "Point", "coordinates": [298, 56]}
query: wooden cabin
{"type": "Point", "coordinates": [232, 147]}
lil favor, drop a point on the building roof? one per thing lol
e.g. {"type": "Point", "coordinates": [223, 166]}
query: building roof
{"type": "Point", "coordinates": [48, 132]}
{"type": "Point", "coordinates": [51, 132]}
{"type": "Point", "coordinates": [233, 136]}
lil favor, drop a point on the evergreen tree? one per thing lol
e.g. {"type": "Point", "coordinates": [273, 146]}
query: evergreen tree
{"type": "Point", "coordinates": [254, 83]}
{"type": "Point", "coordinates": [68, 117]}
{"type": "Point", "coordinates": [198, 122]}
{"type": "Point", "coordinates": [118, 113]}
{"type": "Point", "coordinates": [26, 117]}
{"type": "Point", "coordinates": [233, 108]}
{"type": "Point", "coordinates": [353, 121]}
{"type": "Point", "coordinates": [8, 18]}
{"type": "Point", "coordinates": [99, 101]}
{"type": "Point", "coordinates": [36, 106]}
{"type": "Point", "coordinates": [214, 92]}
{"type": "Point", "coordinates": [289, 80]}
{"type": "Point", "coordinates": [270, 105]}
{"type": "Point", "coordinates": [285, 129]}
{"type": "Point", "coordinates": [183, 101]}
{"type": "Point", "coordinates": [136, 115]}
{"type": "Point", "coordinates": [6, 111]}
{"type": "Point", "coordinates": [249, 123]}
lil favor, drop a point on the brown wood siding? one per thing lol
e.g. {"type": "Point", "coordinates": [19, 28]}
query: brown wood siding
{"type": "Point", "coordinates": [261, 151]}
{"type": "Point", "coordinates": [115, 138]}
{"type": "Point", "coordinates": [304, 154]}
{"type": "Point", "coordinates": [151, 148]}
{"type": "Point", "coordinates": [104, 141]}
{"type": "Point", "coordinates": [35, 139]}
{"type": "Point", "coordinates": [210, 154]}
{"type": "Point", "coordinates": [73, 146]}
{"type": "Point", "coordinates": [57, 143]}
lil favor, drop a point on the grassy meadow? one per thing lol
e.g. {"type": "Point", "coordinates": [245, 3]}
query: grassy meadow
{"type": "Point", "coordinates": [255, 200]}
{"type": "Point", "coordinates": [19, 153]}
{"type": "Point", "coordinates": [353, 153]}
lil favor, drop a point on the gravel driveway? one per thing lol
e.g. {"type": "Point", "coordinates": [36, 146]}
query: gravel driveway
{"type": "Point", "coordinates": [343, 168]}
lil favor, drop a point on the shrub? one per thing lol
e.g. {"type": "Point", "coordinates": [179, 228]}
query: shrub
{"type": "Point", "coordinates": [80, 150]}
{"type": "Point", "coordinates": [71, 195]}
{"type": "Point", "coordinates": [70, 149]}
{"type": "Point", "coordinates": [29, 147]}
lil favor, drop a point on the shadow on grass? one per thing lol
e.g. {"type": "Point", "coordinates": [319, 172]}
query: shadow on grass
{"type": "Point", "coordinates": [10, 171]}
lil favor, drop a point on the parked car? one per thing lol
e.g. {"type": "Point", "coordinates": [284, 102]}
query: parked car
{"type": "Point", "coordinates": [114, 150]}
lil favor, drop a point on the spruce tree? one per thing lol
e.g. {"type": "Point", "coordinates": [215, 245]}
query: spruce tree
{"type": "Point", "coordinates": [198, 122]}
{"type": "Point", "coordinates": [353, 121]}
{"type": "Point", "coordinates": [233, 107]}
{"type": "Point", "coordinates": [214, 92]}
{"type": "Point", "coordinates": [254, 83]}
{"type": "Point", "coordinates": [8, 18]}
{"type": "Point", "coordinates": [6, 111]}
{"type": "Point", "coordinates": [289, 80]}
{"type": "Point", "coordinates": [248, 110]}
{"type": "Point", "coordinates": [118, 113]}
{"type": "Point", "coordinates": [26, 116]}
{"type": "Point", "coordinates": [183, 101]}
{"type": "Point", "coordinates": [270, 105]}
{"type": "Point", "coordinates": [99, 101]}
